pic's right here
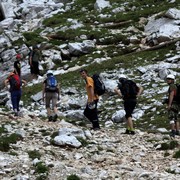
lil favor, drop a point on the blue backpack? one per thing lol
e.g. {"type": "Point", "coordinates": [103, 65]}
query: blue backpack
{"type": "Point", "coordinates": [51, 84]}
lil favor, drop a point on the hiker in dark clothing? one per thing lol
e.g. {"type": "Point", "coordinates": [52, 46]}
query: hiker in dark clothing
{"type": "Point", "coordinates": [91, 108]}
{"type": "Point", "coordinates": [17, 65]}
{"type": "Point", "coordinates": [129, 91]}
{"type": "Point", "coordinates": [173, 107]}
{"type": "Point", "coordinates": [34, 58]}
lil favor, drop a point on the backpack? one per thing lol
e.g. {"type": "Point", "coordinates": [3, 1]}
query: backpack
{"type": "Point", "coordinates": [177, 97]}
{"type": "Point", "coordinates": [15, 82]}
{"type": "Point", "coordinates": [99, 87]}
{"type": "Point", "coordinates": [129, 89]}
{"type": "Point", "coordinates": [51, 84]}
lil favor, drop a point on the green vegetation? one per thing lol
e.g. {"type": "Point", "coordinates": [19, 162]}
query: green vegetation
{"type": "Point", "coordinates": [5, 141]}
{"type": "Point", "coordinates": [168, 145]}
{"type": "Point", "coordinates": [82, 141]}
{"type": "Point", "coordinates": [177, 154]}
{"type": "Point", "coordinates": [73, 177]}
{"type": "Point", "coordinates": [34, 154]}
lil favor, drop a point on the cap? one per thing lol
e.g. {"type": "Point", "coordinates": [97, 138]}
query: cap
{"type": "Point", "coordinates": [18, 56]}
{"type": "Point", "coordinates": [35, 47]}
{"type": "Point", "coordinates": [122, 76]}
{"type": "Point", "coordinates": [170, 76]}
{"type": "Point", "coordinates": [49, 72]}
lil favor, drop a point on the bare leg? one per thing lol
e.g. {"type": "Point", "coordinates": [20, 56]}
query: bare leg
{"type": "Point", "coordinates": [130, 123]}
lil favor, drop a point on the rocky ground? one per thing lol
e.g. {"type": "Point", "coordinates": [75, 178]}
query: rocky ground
{"type": "Point", "coordinates": [105, 155]}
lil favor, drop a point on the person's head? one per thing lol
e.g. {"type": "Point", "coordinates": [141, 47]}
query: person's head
{"type": "Point", "coordinates": [35, 47]}
{"type": "Point", "coordinates": [122, 78]}
{"type": "Point", "coordinates": [49, 73]}
{"type": "Point", "coordinates": [18, 56]}
{"type": "Point", "coordinates": [83, 73]}
{"type": "Point", "coordinates": [170, 78]}
{"type": "Point", "coordinates": [11, 74]}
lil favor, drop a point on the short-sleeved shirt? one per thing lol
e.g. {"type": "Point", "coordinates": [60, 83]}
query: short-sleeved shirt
{"type": "Point", "coordinates": [17, 66]}
{"type": "Point", "coordinates": [90, 83]}
{"type": "Point", "coordinates": [172, 87]}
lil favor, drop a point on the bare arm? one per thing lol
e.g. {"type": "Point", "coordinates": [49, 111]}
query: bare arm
{"type": "Point", "coordinates": [117, 91]}
{"type": "Point", "coordinates": [171, 96]}
{"type": "Point", "coordinates": [6, 82]}
{"type": "Point", "coordinates": [91, 98]}
{"type": "Point", "coordinates": [43, 91]}
{"type": "Point", "coordinates": [140, 91]}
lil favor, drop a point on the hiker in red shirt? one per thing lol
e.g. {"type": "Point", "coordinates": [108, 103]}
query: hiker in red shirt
{"type": "Point", "coordinates": [15, 89]}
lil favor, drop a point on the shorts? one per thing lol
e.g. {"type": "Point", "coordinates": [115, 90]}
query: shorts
{"type": "Point", "coordinates": [174, 112]}
{"type": "Point", "coordinates": [51, 97]}
{"type": "Point", "coordinates": [129, 106]}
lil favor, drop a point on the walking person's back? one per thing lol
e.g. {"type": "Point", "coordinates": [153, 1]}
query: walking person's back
{"type": "Point", "coordinates": [51, 94]}
{"type": "Point", "coordinates": [129, 91]}
{"type": "Point", "coordinates": [15, 83]}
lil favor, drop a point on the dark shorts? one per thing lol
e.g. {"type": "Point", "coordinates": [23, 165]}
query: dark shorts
{"type": "Point", "coordinates": [129, 106]}
{"type": "Point", "coordinates": [51, 97]}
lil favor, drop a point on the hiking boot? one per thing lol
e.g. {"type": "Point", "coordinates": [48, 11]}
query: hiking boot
{"type": "Point", "coordinates": [132, 132]}
{"type": "Point", "coordinates": [50, 118]}
{"type": "Point", "coordinates": [173, 133]}
{"type": "Point", "coordinates": [127, 132]}
{"type": "Point", "coordinates": [55, 118]}
{"type": "Point", "coordinates": [96, 128]}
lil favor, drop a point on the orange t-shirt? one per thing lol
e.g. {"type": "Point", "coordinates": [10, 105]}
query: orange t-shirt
{"type": "Point", "coordinates": [90, 83]}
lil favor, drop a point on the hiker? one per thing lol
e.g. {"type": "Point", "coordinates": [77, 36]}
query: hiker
{"type": "Point", "coordinates": [15, 89]}
{"type": "Point", "coordinates": [17, 65]}
{"type": "Point", "coordinates": [172, 106]}
{"type": "Point", "coordinates": [51, 94]}
{"type": "Point", "coordinates": [128, 91]}
{"type": "Point", "coordinates": [34, 58]}
{"type": "Point", "coordinates": [91, 107]}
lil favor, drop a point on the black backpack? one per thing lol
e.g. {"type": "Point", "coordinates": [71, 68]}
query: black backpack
{"type": "Point", "coordinates": [177, 97]}
{"type": "Point", "coordinates": [129, 89]}
{"type": "Point", "coordinates": [99, 87]}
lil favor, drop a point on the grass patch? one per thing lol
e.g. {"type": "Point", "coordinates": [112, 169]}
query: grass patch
{"type": "Point", "coordinates": [34, 154]}
{"type": "Point", "coordinates": [73, 177]}
{"type": "Point", "coordinates": [177, 154]}
{"type": "Point", "coordinates": [82, 141]}
{"type": "Point", "coordinates": [5, 141]}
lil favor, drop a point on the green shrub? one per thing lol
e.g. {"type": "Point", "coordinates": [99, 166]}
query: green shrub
{"type": "Point", "coordinates": [41, 168]}
{"type": "Point", "coordinates": [177, 155]}
{"type": "Point", "coordinates": [34, 154]}
{"type": "Point", "coordinates": [73, 177]}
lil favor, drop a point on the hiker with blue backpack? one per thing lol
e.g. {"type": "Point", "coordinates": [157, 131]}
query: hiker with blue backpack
{"type": "Point", "coordinates": [92, 100]}
{"type": "Point", "coordinates": [51, 94]}
{"type": "Point", "coordinates": [128, 91]}
{"type": "Point", "coordinates": [15, 90]}
{"type": "Point", "coordinates": [173, 105]}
